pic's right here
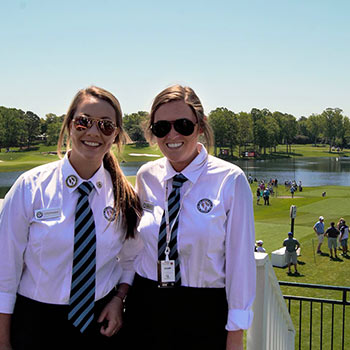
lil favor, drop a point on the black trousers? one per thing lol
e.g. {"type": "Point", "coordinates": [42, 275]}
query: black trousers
{"type": "Point", "coordinates": [36, 325]}
{"type": "Point", "coordinates": [174, 319]}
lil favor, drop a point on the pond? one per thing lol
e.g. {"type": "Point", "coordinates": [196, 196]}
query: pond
{"type": "Point", "coordinates": [311, 171]}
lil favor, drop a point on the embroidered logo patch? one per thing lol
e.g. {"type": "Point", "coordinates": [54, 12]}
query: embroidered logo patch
{"type": "Point", "coordinates": [109, 213]}
{"type": "Point", "coordinates": [205, 205]}
{"type": "Point", "coordinates": [71, 181]}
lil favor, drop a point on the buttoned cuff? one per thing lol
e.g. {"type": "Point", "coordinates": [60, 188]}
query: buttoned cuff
{"type": "Point", "coordinates": [239, 319]}
{"type": "Point", "coordinates": [127, 277]}
{"type": "Point", "coordinates": [7, 303]}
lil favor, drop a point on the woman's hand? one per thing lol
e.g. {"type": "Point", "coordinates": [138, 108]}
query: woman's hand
{"type": "Point", "coordinates": [113, 314]}
{"type": "Point", "coordinates": [5, 320]}
{"type": "Point", "coordinates": [6, 346]}
{"type": "Point", "coordinates": [234, 340]}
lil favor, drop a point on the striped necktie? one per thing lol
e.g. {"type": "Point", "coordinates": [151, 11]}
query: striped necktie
{"type": "Point", "coordinates": [173, 209]}
{"type": "Point", "coordinates": [82, 296]}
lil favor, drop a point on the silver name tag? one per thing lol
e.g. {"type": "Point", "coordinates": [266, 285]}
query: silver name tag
{"type": "Point", "coordinates": [44, 214]}
{"type": "Point", "coordinates": [148, 206]}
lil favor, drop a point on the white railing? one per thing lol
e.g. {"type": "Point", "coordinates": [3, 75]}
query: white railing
{"type": "Point", "coordinates": [272, 327]}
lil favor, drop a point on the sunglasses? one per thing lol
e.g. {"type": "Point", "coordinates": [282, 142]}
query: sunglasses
{"type": "Point", "coordinates": [83, 122]}
{"type": "Point", "coordinates": [183, 126]}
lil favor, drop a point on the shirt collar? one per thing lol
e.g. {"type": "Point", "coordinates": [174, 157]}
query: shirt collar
{"type": "Point", "coordinates": [72, 180]}
{"type": "Point", "coordinates": [192, 171]}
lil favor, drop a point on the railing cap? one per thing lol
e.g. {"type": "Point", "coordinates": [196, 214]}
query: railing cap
{"type": "Point", "coordinates": [261, 258]}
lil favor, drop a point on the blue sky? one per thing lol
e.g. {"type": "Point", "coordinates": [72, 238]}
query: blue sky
{"type": "Point", "coordinates": [286, 55]}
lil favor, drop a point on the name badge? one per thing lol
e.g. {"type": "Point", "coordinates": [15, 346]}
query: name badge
{"type": "Point", "coordinates": [166, 273]}
{"type": "Point", "coordinates": [148, 206]}
{"type": "Point", "coordinates": [44, 214]}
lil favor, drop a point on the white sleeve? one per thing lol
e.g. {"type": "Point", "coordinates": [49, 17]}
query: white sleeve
{"type": "Point", "coordinates": [240, 262]}
{"type": "Point", "coordinates": [127, 255]}
{"type": "Point", "coordinates": [14, 228]}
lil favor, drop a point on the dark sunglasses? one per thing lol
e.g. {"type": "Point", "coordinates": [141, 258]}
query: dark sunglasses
{"type": "Point", "coordinates": [183, 126]}
{"type": "Point", "coordinates": [83, 122]}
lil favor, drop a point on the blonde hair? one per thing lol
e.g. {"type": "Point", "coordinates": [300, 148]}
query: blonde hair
{"type": "Point", "coordinates": [187, 95]}
{"type": "Point", "coordinates": [126, 201]}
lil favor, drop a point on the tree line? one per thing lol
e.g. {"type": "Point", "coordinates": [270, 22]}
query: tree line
{"type": "Point", "coordinates": [258, 130]}
{"type": "Point", "coordinates": [262, 130]}
{"type": "Point", "coordinates": [26, 129]}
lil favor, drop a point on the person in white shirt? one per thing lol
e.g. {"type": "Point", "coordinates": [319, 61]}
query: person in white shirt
{"type": "Point", "coordinates": [196, 293]}
{"type": "Point", "coordinates": [39, 237]}
{"type": "Point", "coordinates": [259, 246]}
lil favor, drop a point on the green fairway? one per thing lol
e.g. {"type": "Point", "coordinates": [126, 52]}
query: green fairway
{"type": "Point", "coordinates": [311, 151]}
{"type": "Point", "coordinates": [17, 161]}
{"type": "Point", "coordinates": [272, 223]}
{"type": "Point", "coordinates": [132, 179]}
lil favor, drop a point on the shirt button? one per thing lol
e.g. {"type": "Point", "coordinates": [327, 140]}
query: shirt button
{"type": "Point", "coordinates": [118, 259]}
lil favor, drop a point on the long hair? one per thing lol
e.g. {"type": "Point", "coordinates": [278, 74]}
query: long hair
{"type": "Point", "coordinates": [126, 201]}
{"type": "Point", "coordinates": [187, 95]}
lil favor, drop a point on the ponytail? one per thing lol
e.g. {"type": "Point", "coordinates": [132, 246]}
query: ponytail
{"type": "Point", "coordinates": [126, 201]}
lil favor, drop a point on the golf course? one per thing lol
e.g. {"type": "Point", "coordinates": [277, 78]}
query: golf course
{"type": "Point", "coordinates": [272, 223]}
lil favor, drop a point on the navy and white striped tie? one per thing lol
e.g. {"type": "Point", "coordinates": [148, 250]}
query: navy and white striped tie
{"type": "Point", "coordinates": [173, 209]}
{"type": "Point", "coordinates": [82, 296]}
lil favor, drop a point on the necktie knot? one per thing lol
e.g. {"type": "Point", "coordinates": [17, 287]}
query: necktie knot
{"type": "Point", "coordinates": [179, 180]}
{"type": "Point", "coordinates": [85, 188]}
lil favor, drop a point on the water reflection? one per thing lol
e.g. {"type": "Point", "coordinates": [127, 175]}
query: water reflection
{"type": "Point", "coordinates": [311, 171]}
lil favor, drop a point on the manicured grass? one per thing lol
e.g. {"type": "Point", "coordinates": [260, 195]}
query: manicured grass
{"type": "Point", "coordinates": [135, 149]}
{"type": "Point", "coordinates": [16, 161]}
{"type": "Point", "coordinates": [272, 223]}
{"type": "Point", "coordinates": [132, 179]}
{"type": "Point", "coordinates": [311, 151]}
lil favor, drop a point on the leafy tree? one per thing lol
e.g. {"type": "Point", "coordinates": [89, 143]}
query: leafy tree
{"type": "Point", "coordinates": [278, 117]}
{"type": "Point", "coordinates": [32, 122]}
{"type": "Point", "coordinates": [244, 130]}
{"type": "Point", "coordinates": [53, 127]}
{"type": "Point", "coordinates": [314, 127]}
{"type": "Point", "coordinates": [289, 130]}
{"type": "Point", "coordinates": [224, 125]}
{"type": "Point", "coordinates": [333, 124]}
{"type": "Point", "coordinates": [261, 128]}
{"type": "Point", "coordinates": [133, 125]}
{"type": "Point", "coordinates": [345, 134]}
{"type": "Point", "coordinates": [13, 125]}
{"type": "Point", "coordinates": [302, 126]}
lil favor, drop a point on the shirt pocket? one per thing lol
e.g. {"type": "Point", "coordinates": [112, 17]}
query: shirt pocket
{"type": "Point", "coordinates": [48, 234]}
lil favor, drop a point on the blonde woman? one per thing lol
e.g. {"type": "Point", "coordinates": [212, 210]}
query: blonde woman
{"type": "Point", "coordinates": [67, 233]}
{"type": "Point", "coordinates": [195, 277]}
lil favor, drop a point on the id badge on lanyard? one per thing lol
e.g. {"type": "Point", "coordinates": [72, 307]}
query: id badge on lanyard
{"type": "Point", "coordinates": [166, 268]}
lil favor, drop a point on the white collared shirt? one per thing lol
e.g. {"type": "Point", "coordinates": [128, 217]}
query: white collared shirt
{"type": "Point", "coordinates": [37, 236]}
{"type": "Point", "coordinates": [215, 234]}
